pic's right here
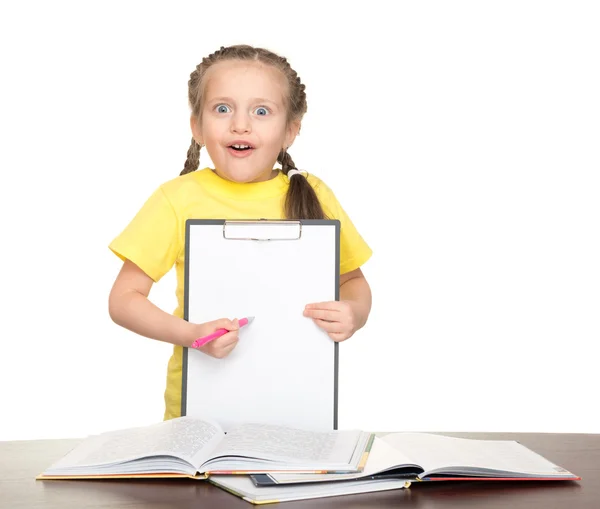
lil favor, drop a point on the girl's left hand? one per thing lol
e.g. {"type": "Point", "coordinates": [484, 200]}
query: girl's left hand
{"type": "Point", "coordinates": [337, 318]}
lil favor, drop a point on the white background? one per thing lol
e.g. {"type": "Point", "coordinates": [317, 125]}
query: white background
{"type": "Point", "coordinates": [461, 137]}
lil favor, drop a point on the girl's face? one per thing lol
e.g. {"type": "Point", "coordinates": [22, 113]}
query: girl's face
{"type": "Point", "coordinates": [243, 121]}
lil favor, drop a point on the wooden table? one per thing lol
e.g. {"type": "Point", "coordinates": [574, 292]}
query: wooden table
{"type": "Point", "coordinates": [21, 461]}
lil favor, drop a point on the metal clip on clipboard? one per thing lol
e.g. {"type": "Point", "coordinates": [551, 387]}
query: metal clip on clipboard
{"type": "Point", "coordinates": [262, 230]}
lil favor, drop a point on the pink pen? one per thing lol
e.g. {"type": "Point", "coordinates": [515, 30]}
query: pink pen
{"type": "Point", "coordinates": [218, 333]}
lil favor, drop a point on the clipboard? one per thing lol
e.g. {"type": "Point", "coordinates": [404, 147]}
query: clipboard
{"type": "Point", "coordinates": [284, 369]}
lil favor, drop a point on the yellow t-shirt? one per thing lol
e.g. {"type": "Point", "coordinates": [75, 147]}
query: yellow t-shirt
{"type": "Point", "coordinates": [155, 238]}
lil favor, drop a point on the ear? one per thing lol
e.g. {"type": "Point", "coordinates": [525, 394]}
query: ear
{"type": "Point", "coordinates": [196, 131]}
{"type": "Point", "coordinates": [291, 132]}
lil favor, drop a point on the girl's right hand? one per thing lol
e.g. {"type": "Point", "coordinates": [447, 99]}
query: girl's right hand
{"type": "Point", "coordinates": [222, 346]}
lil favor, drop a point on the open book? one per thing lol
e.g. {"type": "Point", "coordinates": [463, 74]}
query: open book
{"type": "Point", "coordinates": [432, 457]}
{"type": "Point", "coordinates": [242, 486]}
{"type": "Point", "coordinates": [197, 448]}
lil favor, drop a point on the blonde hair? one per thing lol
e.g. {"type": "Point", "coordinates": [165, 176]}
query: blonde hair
{"type": "Point", "coordinates": [301, 201]}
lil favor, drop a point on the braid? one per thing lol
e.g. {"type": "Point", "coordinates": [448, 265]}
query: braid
{"type": "Point", "coordinates": [301, 201]}
{"type": "Point", "coordinates": [193, 158]}
{"type": "Point", "coordinates": [286, 161]}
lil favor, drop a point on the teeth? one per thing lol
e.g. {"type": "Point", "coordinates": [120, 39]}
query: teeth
{"type": "Point", "coordinates": [241, 146]}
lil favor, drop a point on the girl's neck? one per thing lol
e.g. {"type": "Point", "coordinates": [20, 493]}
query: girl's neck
{"type": "Point", "coordinates": [264, 177]}
{"type": "Point", "coordinates": [275, 186]}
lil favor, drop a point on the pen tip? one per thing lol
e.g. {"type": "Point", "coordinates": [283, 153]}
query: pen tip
{"type": "Point", "coordinates": [250, 319]}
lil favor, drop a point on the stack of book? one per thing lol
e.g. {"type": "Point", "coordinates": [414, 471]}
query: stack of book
{"type": "Point", "coordinates": [263, 463]}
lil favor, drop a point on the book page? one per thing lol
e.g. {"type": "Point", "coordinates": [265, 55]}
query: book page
{"type": "Point", "coordinates": [382, 457]}
{"type": "Point", "coordinates": [280, 443]}
{"type": "Point", "coordinates": [183, 437]}
{"type": "Point", "coordinates": [438, 452]}
{"type": "Point", "coordinates": [242, 486]}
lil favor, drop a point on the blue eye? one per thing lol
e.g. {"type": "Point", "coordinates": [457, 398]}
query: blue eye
{"type": "Point", "coordinates": [262, 111]}
{"type": "Point", "coordinates": [222, 108]}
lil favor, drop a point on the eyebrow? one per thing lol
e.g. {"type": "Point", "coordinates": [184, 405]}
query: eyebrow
{"type": "Point", "coordinates": [254, 100]}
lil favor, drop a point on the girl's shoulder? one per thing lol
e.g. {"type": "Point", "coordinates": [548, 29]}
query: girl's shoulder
{"type": "Point", "coordinates": [181, 185]}
{"type": "Point", "coordinates": [322, 189]}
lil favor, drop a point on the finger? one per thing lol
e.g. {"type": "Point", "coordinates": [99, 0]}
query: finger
{"type": "Point", "coordinates": [226, 351]}
{"type": "Point", "coordinates": [338, 336]}
{"type": "Point", "coordinates": [322, 314]}
{"type": "Point", "coordinates": [220, 353]}
{"type": "Point", "coordinates": [226, 323]}
{"type": "Point", "coordinates": [227, 339]}
{"type": "Point", "coordinates": [333, 305]}
{"type": "Point", "coordinates": [220, 349]}
{"type": "Point", "coordinates": [329, 326]}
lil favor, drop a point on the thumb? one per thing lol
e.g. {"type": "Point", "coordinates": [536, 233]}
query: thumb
{"type": "Point", "coordinates": [226, 323]}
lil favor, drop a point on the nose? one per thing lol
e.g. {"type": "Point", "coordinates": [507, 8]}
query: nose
{"type": "Point", "coordinates": [240, 123]}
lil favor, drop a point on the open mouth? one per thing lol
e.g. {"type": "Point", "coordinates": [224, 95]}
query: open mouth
{"type": "Point", "coordinates": [241, 148]}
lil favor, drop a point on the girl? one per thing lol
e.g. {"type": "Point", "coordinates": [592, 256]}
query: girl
{"type": "Point", "coordinates": [247, 104]}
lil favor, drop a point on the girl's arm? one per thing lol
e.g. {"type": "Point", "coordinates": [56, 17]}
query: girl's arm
{"type": "Point", "coordinates": [129, 307]}
{"type": "Point", "coordinates": [341, 319]}
{"type": "Point", "coordinates": [355, 290]}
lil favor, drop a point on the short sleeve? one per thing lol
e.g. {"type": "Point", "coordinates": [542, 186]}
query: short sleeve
{"type": "Point", "coordinates": [354, 251]}
{"type": "Point", "coordinates": [152, 239]}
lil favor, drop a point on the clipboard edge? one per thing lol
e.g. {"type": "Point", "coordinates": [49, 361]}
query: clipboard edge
{"type": "Point", "coordinates": [325, 222]}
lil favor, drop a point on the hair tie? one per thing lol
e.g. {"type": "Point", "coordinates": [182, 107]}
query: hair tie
{"type": "Point", "coordinates": [293, 172]}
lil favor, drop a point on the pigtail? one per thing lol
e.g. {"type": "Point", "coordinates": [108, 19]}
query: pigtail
{"type": "Point", "coordinates": [193, 158]}
{"type": "Point", "coordinates": [301, 201]}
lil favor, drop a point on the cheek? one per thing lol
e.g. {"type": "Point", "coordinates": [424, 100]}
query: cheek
{"type": "Point", "coordinates": [212, 130]}
{"type": "Point", "coordinates": [274, 136]}
{"type": "Point", "coordinates": [273, 147]}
